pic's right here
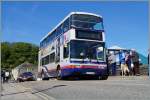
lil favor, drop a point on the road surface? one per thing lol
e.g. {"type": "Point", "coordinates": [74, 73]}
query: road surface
{"type": "Point", "coordinates": [115, 88]}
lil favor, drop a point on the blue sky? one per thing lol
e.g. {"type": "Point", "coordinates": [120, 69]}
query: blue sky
{"type": "Point", "coordinates": [125, 23]}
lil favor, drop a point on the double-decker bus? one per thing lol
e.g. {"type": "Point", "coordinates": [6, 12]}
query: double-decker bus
{"type": "Point", "coordinates": [75, 47]}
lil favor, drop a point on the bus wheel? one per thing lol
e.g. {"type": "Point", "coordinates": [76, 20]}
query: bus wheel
{"type": "Point", "coordinates": [58, 73]}
{"type": "Point", "coordinates": [104, 77]}
{"type": "Point", "coordinates": [43, 76]}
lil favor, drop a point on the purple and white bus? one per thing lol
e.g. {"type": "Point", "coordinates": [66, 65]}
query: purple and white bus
{"type": "Point", "coordinates": [75, 47]}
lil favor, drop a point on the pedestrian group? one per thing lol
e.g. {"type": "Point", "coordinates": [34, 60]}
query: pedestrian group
{"type": "Point", "coordinates": [128, 58]}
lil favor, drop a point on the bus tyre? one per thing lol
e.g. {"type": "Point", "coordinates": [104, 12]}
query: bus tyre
{"type": "Point", "coordinates": [104, 77]}
{"type": "Point", "coordinates": [43, 77]}
{"type": "Point", "coordinates": [59, 74]}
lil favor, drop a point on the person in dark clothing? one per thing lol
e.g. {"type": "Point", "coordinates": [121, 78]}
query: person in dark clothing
{"type": "Point", "coordinates": [107, 62]}
{"type": "Point", "coordinates": [3, 76]}
{"type": "Point", "coordinates": [148, 59]}
{"type": "Point", "coordinates": [128, 62]}
{"type": "Point", "coordinates": [135, 60]}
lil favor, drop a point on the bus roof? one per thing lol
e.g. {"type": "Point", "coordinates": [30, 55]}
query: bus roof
{"type": "Point", "coordinates": [86, 13]}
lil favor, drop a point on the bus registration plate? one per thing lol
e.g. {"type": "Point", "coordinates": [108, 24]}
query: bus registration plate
{"type": "Point", "coordinates": [90, 73]}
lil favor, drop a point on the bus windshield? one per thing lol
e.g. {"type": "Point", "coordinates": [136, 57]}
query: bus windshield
{"type": "Point", "coordinates": [86, 50]}
{"type": "Point", "coordinates": [87, 22]}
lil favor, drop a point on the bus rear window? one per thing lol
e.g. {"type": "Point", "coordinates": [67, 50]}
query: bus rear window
{"type": "Point", "coordinates": [89, 35]}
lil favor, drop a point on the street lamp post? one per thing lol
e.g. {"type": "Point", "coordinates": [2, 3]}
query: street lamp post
{"type": "Point", "coordinates": [148, 63]}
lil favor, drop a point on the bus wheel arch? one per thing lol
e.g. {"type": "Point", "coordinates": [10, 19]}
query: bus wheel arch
{"type": "Point", "coordinates": [58, 67]}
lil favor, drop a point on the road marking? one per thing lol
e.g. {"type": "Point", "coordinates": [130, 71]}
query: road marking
{"type": "Point", "coordinates": [46, 97]}
{"type": "Point", "coordinates": [42, 96]}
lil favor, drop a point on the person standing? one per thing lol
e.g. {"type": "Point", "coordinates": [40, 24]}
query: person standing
{"type": "Point", "coordinates": [121, 57]}
{"type": "Point", "coordinates": [108, 64]}
{"type": "Point", "coordinates": [128, 61]}
{"type": "Point", "coordinates": [112, 60]}
{"type": "Point", "coordinates": [148, 59]}
{"type": "Point", "coordinates": [135, 60]}
{"type": "Point", "coordinates": [7, 76]}
{"type": "Point", "coordinates": [2, 76]}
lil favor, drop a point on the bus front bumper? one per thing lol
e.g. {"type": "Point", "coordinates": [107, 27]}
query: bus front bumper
{"type": "Point", "coordinates": [84, 70]}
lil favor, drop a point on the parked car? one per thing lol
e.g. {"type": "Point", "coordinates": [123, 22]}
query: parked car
{"type": "Point", "coordinates": [26, 76]}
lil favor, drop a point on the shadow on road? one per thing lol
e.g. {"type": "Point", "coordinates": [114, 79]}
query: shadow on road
{"type": "Point", "coordinates": [48, 88]}
{"type": "Point", "coordinates": [81, 78]}
{"type": "Point", "coordinates": [13, 93]}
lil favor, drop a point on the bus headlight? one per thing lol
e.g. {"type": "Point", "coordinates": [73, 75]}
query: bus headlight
{"type": "Point", "coordinates": [102, 66]}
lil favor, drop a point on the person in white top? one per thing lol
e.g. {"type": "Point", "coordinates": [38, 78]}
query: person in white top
{"type": "Point", "coordinates": [112, 60]}
{"type": "Point", "coordinates": [7, 76]}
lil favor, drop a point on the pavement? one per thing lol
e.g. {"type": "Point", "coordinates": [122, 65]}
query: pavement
{"type": "Point", "coordinates": [15, 91]}
{"type": "Point", "coordinates": [115, 88]}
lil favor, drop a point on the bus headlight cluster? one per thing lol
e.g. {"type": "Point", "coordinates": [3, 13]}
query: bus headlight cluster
{"type": "Point", "coordinates": [102, 67]}
{"type": "Point", "coordinates": [78, 66]}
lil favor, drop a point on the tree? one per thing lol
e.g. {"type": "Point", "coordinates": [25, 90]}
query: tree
{"type": "Point", "coordinates": [5, 53]}
{"type": "Point", "coordinates": [14, 54]}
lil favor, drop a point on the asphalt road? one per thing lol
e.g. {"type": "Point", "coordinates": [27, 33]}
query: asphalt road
{"type": "Point", "coordinates": [115, 88]}
{"type": "Point", "coordinates": [111, 89]}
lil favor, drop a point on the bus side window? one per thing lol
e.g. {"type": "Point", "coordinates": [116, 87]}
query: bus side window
{"type": "Point", "coordinates": [52, 57]}
{"type": "Point", "coordinates": [47, 59]}
{"type": "Point", "coordinates": [66, 50]}
{"type": "Point", "coordinates": [66, 25]}
{"type": "Point", "coordinates": [42, 61]}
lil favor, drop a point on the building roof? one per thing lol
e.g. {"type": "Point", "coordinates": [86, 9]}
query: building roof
{"type": "Point", "coordinates": [25, 64]}
{"type": "Point", "coordinates": [117, 48]}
